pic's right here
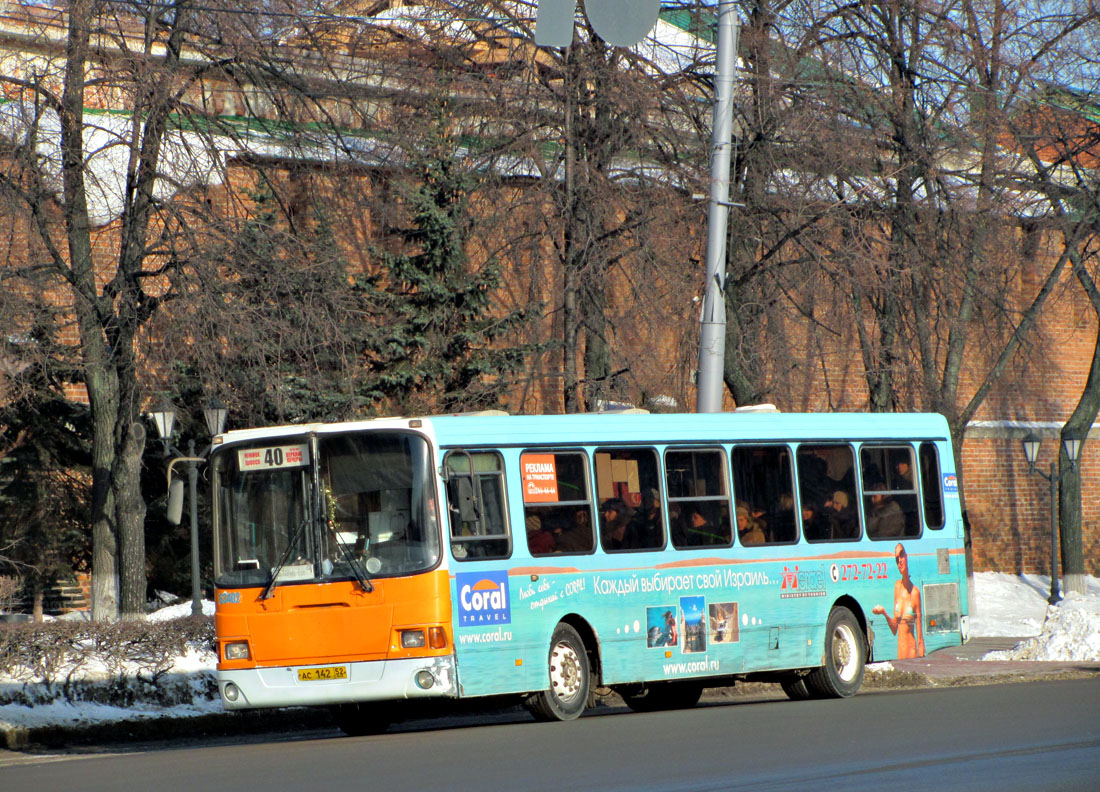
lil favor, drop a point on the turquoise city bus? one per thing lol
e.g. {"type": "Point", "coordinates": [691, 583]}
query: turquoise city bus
{"type": "Point", "coordinates": [366, 565]}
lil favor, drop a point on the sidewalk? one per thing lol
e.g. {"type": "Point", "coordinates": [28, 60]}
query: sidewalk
{"type": "Point", "coordinates": [964, 664]}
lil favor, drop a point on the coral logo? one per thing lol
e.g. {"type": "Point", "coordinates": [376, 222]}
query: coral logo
{"type": "Point", "coordinates": [483, 598]}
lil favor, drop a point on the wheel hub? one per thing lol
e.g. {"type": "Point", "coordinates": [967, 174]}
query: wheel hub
{"type": "Point", "coordinates": [844, 653]}
{"type": "Point", "coordinates": [565, 671]}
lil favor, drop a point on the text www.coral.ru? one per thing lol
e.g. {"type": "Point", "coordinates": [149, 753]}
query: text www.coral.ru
{"type": "Point", "coordinates": [496, 635]}
{"type": "Point", "coordinates": [692, 667]}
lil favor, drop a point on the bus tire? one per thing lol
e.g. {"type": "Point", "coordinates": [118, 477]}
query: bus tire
{"type": "Point", "coordinates": [845, 657]}
{"type": "Point", "coordinates": [570, 679]}
{"type": "Point", "coordinates": [795, 687]}
{"type": "Point", "coordinates": [360, 720]}
{"type": "Point", "coordinates": [663, 696]}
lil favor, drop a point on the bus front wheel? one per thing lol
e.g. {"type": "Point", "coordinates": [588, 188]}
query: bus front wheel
{"type": "Point", "coordinates": [570, 679]}
{"type": "Point", "coordinates": [845, 657]}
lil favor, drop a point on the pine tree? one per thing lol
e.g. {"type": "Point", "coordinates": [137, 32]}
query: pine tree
{"type": "Point", "coordinates": [440, 342]}
{"type": "Point", "coordinates": [45, 466]}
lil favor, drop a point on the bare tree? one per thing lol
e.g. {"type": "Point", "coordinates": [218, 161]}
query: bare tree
{"type": "Point", "coordinates": [611, 135]}
{"type": "Point", "coordinates": [90, 181]}
{"type": "Point", "coordinates": [1062, 144]}
{"type": "Point", "coordinates": [108, 311]}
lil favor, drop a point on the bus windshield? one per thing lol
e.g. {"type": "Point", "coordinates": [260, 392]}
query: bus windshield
{"type": "Point", "coordinates": [357, 506]}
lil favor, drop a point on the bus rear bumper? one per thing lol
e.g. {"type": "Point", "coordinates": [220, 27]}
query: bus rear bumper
{"type": "Point", "coordinates": [377, 680]}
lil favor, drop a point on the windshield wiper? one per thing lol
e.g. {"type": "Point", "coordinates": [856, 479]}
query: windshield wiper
{"type": "Point", "coordinates": [360, 575]}
{"type": "Point", "coordinates": [269, 589]}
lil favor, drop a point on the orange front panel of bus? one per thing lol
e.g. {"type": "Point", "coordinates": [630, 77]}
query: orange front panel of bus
{"type": "Point", "coordinates": [318, 623]}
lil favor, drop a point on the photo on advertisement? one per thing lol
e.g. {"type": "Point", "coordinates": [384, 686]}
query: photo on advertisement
{"type": "Point", "coordinates": [723, 623]}
{"type": "Point", "coordinates": [662, 629]}
{"type": "Point", "coordinates": [694, 623]}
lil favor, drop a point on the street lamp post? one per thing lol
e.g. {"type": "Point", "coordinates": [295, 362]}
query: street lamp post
{"type": "Point", "coordinates": [164, 417]}
{"type": "Point", "coordinates": [1072, 446]}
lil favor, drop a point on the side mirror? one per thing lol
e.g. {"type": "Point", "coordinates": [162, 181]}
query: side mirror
{"type": "Point", "coordinates": [175, 501]}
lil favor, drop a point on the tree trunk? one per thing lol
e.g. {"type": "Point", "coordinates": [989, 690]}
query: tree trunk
{"type": "Point", "coordinates": [1078, 425]}
{"type": "Point", "coordinates": [743, 370]}
{"type": "Point", "coordinates": [597, 356]}
{"type": "Point", "coordinates": [101, 385]}
{"type": "Point", "coordinates": [36, 602]}
{"type": "Point", "coordinates": [570, 251]}
{"type": "Point", "coordinates": [130, 516]}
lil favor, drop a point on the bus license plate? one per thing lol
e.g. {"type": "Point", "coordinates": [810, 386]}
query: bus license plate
{"type": "Point", "coordinates": [328, 672]}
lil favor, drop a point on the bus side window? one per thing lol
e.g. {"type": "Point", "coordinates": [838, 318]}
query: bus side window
{"type": "Point", "coordinates": [827, 492]}
{"type": "Point", "coordinates": [698, 497]}
{"type": "Point", "coordinates": [557, 508]}
{"type": "Point", "coordinates": [476, 506]}
{"type": "Point", "coordinates": [627, 483]}
{"type": "Point", "coordinates": [763, 488]}
{"type": "Point", "coordinates": [931, 486]}
{"type": "Point", "coordinates": [890, 501]}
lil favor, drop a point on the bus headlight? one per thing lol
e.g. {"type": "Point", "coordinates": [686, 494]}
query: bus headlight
{"type": "Point", "coordinates": [412, 639]}
{"type": "Point", "coordinates": [231, 692]}
{"type": "Point", "coordinates": [236, 651]}
{"type": "Point", "coordinates": [424, 679]}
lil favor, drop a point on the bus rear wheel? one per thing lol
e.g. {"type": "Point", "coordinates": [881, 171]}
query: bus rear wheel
{"type": "Point", "coordinates": [570, 679]}
{"type": "Point", "coordinates": [359, 720]}
{"type": "Point", "coordinates": [662, 696]}
{"type": "Point", "coordinates": [845, 658]}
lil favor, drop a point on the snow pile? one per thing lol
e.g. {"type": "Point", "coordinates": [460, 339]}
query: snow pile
{"type": "Point", "coordinates": [1008, 605]}
{"type": "Point", "coordinates": [180, 610]}
{"type": "Point", "coordinates": [1070, 632]}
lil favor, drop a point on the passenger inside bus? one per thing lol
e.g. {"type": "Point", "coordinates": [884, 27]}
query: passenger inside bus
{"type": "Point", "coordinates": [539, 540]}
{"type": "Point", "coordinates": [575, 536]}
{"type": "Point", "coordinates": [843, 521]}
{"type": "Point", "coordinates": [782, 522]}
{"type": "Point", "coordinates": [645, 529]}
{"type": "Point", "coordinates": [750, 524]}
{"type": "Point", "coordinates": [815, 525]}
{"type": "Point", "coordinates": [903, 480]}
{"type": "Point", "coordinates": [615, 520]}
{"type": "Point", "coordinates": [699, 528]}
{"type": "Point", "coordinates": [884, 516]}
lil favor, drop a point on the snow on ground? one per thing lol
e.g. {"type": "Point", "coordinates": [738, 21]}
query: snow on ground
{"type": "Point", "coordinates": [88, 713]}
{"type": "Point", "coordinates": [1003, 606]}
{"type": "Point", "coordinates": [1010, 605]}
{"type": "Point", "coordinates": [180, 611]}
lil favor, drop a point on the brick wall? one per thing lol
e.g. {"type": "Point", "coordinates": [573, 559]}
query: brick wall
{"type": "Point", "coordinates": [653, 328]}
{"type": "Point", "coordinates": [63, 597]}
{"type": "Point", "coordinates": [1009, 507]}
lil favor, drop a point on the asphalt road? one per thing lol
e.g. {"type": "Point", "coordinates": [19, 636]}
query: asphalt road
{"type": "Point", "coordinates": [1030, 736]}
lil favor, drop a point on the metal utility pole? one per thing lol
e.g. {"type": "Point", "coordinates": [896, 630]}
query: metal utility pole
{"type": "Point", "coordinates": [712, 336]}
